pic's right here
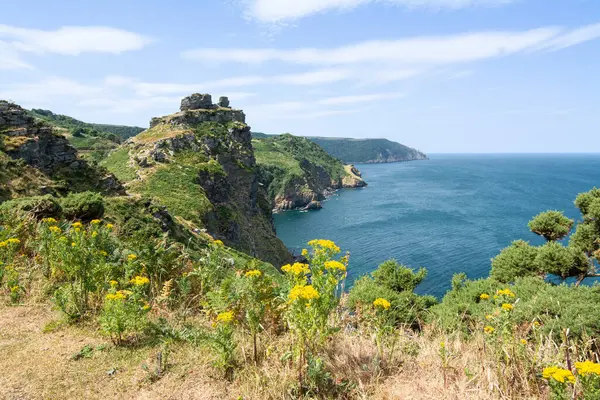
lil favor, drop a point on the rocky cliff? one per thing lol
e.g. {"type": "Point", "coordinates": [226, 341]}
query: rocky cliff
{"type": "Point", "coordinates": [34, 159]}
{"type": "Point", "coordinates": [199, 162]}
{"type": "Point", "coordinates": [299, 174]}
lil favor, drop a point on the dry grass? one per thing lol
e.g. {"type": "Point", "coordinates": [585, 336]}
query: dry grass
{"type": "Point", "coordinates": [38, 365]}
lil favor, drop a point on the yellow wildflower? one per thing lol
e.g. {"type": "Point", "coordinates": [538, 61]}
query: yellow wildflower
{"type": "Point", "coordinates": [335, 265]}
{"type": "Point", "coordinates": [489, 317]}
{"type": "Point", "coordinates": [15, 288]}
{"type": "Point", "coordinates": [73, 244]}
{"type": "Point", "coordinates": [507, 307]}
{"type": "Point", "coordinates": [55, 229]}
{"type": "Point", "coordinates": [383, 303]}
{"type": "Point", "coordinates": [109, 226]}
{"type": "Point", "coordinates": [113, 283]}
{"type": "Point", "coordinates": [94, 234]}
{"type": "Point", "coordinates": [131, 257]}
{"type": "Point", "coordinates": [323, 244]}
{"type": "Point", "coordinates": [505, 292]}
{"type": "Point", "coordinates": [3, 244]}
{"type": "Point", "coordinates": [146, 306]}
{"type": "Point", "coordinates": [218, 243]}
{"type": "Point", "coordinates": [558, 374]}
{"type": "Point", "coordinates": [96, 221]}
{"type": "Point", "coordinates": [253, 273]}
{"type": "Point", "coordinates": [303, 292]}
{"type": "Point", "coordinates": [523, 341]}
{"type": "Point", "coordinates": [77, 225]}
{"type": "Point", "coordinates": [489, 329]}
{"type": "Point", "coordinates": [296, 268]}
{"type": "Point", "coordinates": [484, 296]}
{"type": "Point", "coordinates": [49, 220]}
{"type": "Point", "coordinates": [13, 241]}
{"type": "Point", "coordinates": [536, 324]}
{"type": "Point", "coordinates": [585, 368]}
{"type": "Point", "coordinates": [116, 296]}
{"type": "Point", "coordinates": [225, 317]}
{"type": "Point", "coordinates": [305, 252]}
{"type": "Point", "coordinates": [140, 281]}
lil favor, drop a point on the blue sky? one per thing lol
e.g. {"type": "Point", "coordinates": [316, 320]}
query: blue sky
{"type": "Point", "coordinates": [438, 75]}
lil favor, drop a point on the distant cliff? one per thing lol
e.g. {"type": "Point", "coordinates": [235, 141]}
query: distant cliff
{"type": "Point", "coordinates": [367, 150]}
{"type": "Point", "coordinates": [299, 173]}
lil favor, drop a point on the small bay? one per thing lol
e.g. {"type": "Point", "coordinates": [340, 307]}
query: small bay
{"type": "Point", "coordinates": [449, 214]}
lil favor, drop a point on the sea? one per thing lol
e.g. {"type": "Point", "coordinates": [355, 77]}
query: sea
{"type": "Point", "coordinates": [449, 214]}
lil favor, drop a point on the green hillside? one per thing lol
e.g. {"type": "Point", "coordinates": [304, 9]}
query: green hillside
{"type": "Point", "coordinates": [367, 150]}
{"type": "Point", "coordinates": [93, 141]}
{"type": "Point", "coordinates": [298, 171]}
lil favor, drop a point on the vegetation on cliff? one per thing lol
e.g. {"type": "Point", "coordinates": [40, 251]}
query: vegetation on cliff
{"type": "Point", "coordinates": [93, 141]}
{"type": "Point", "coordinates": [367, 150]}
{"type": "Point", "coordinates": [199, 163]}
{"type": "Point", "coordinates": [35, 159]}
{"type": "Point", "coordinates": [298, 172]}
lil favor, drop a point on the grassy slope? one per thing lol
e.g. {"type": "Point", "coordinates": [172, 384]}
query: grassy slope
{"type": "Point", "coordinates": [90, 146]}
{"type": "Point", "coordinates": [37, 364]}
{"type": "Point", "coordinates": [64, 121]}
{"type": "Point", "coordinates": [281, 156]}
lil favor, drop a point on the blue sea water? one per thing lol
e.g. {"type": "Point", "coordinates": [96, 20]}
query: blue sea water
{"type": "Point", "coordinates": [450, 214]}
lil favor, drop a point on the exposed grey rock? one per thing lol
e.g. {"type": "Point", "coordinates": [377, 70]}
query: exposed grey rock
{"type": "Point", "coordinates": [223, 102]}
{"type": "Point", "coordinates": [313, 205]}
{"type": "Point", "coordinates": [196, 101]}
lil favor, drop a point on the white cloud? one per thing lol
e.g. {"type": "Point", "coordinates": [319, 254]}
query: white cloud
{"type": "Point", "coordinates": [9, 58]}
{"type": "Point", "coordinates": [73, 40]}
{"type": "Point", "coordinates": [574, 37]}
{"type": "Point", "coordinates": [314, 77]}
{"type": "Point", "coordinates": [412, 51]}
{"type": "Point", "coordinates": [366, 98]}
{"type": "Point", "coordinates": [281, 10]}
{"type": "Point", "coordinates": [47, 90]}
{"type": "Point", "coordinates": [118, 80]}
{"type": "Point", "coordinates": [317, 108]}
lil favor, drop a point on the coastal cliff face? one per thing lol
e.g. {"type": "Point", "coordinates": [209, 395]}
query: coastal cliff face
{"type": "Point", "coordinates": [199, 162]}
{"type": "Point", "coordinates": [35, 160]}
{"type": "Point", "coordinates": [299, 174]}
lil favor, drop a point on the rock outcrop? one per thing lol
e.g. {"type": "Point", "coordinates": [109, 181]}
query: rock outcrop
{"type": "Point", "coordinates": [34, 142]}
{"type": "Point", "coordinates": [223, 102]}
{"type": "Point", "coordinates": [198, 108]}
{"type": "Point", "coordinates": [202, 162]}
{"type": "Point", "coordinates": [197, 101]}
{"type": "Point", "coordinates": [48, 156]}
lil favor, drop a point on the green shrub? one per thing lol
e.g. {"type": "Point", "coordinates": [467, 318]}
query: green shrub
{"type": "Point", "coordinates": [556, 307]}
{"type": "Point", "coordinates": [38, 206]}
{"type": "Point", "coordinates": [517, 260]}
{"type": "Point", "coordinates": [407, 308]}
{"type": "Point", "coordinates": [552, 225]}
{"type": "Point", "coordinates": [85, 206]}
{"type": "Point", "coordinates": [398, 277]}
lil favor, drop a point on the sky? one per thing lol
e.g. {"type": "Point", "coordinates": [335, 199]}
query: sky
{"type": "Point", "coordinates": [443, 76]}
